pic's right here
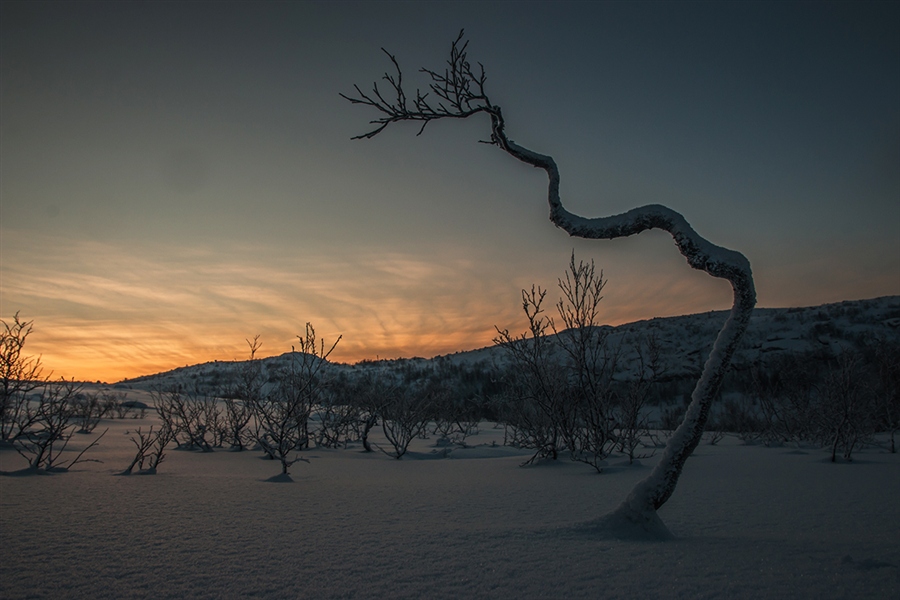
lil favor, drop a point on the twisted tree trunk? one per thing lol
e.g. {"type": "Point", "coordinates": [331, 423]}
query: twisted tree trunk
{"type": "Point", "coordinates": [460, 94]}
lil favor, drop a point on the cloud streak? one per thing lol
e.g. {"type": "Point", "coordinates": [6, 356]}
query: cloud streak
{"type": "Point", "coordinates": [104, 311]}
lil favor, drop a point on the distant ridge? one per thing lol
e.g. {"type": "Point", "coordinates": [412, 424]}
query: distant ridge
{"type": "Point", "coordinates": [685, 341]}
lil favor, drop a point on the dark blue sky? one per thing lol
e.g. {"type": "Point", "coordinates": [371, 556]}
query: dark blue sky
{"type": "Point", "coordinates": [177, 177]}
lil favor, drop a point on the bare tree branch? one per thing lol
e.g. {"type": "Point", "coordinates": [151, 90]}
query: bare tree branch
{"type": "Point", "coordinates": [459, 90]}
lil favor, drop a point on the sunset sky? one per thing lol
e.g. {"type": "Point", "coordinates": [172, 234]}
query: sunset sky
{"type": "Point", "coordinates": [178, 177]}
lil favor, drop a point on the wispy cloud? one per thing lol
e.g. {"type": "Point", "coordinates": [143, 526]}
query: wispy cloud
{"type": "Point", "coordinates": [104, 311]}
{"type": "Point", "coordinates": [111, 310]}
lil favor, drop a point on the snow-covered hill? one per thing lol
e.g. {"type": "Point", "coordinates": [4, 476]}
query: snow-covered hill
{"type": "Point", "coordinates": [684, 342]}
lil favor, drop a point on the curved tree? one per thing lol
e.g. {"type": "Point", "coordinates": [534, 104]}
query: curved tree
{"type": "Point", "coordinates": [458, 92]}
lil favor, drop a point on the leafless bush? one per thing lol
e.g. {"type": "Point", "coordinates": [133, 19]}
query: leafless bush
{"type": "Point", "coordinates": [241, 400]}
{"type": "Point", "coordinates": [591, 363]}
{"type": "Point", "coordinates": [785, 391]}
{"type": "Point", "coordinates": [282, 414]}
{"type": "Point", "coordinates": [118, 404]}
{"type": "Point", "coordinates": [405, 416]}
{"type": "Point", "coordinates": [282, 427]}
{"type": "Point", "coordinates": [670, 417]}
{"type": "Point", "coordinates": [826, 400]}
{"type": "Point", "coordinates": [368, 419]}
{"type": "Point", "coordinates": [739, 415]}
{"type": "Point", "coordinates": [282, 418]}
{"type": "Point", "coordinates": [713, 436]}
{"type": "Point", "coordinates": [630, 412]}
{"type": "Point", "coordinates": [236, 419]}
{"type": "Point", "coordinates": [338, 415]}
{"type": "Point", "coordinates": [19, 376]}
{"type": "Point", "coordinates": [847, 410]}
{"type": "Point", "coordinates": [337, 422]}
{"type": "Point", "coordinates": [526, 424]}
{"type": "Point", "coordinates": [455, 419]}
{"type": "Point", "coordinates": [49, 428]}
{"type": "Point", "coordinates": [151, 447]}
{"type": "Point", "coordinates": [885, 360]}
{"type": "Point", "coordinates": [36, 414]}
{"type": "Point", "coordinates": [372, 392]}
{"type": "Point", "coordinates": [533, 404]}
{"type": "Point", "coordinates": [560, 395]}
{"type": "Point", "coordinates": [195, 419]}
{"type": "Point", "coordinates": [88, 410]}
{"type": "Point", "coordinates": [453, 416]}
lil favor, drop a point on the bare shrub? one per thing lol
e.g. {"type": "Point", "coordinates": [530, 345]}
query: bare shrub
{"type": "Point", "coordinates": [455, 419]}
{"type": "Point", "coordinates": [241, 400]}
{"type": "Point", "coordinates": [118, 404]}
{"type": "Point", "coordinates": [337, 422]}
{"type": "Point", "coordinates": [532, 404]}
{"type": "Point", "coordinates": [630, 413]}
{"type": "Point", "coordinates": [830, 401]}
{"type": "Point", "coordinates": [49, 415]}
{"type": "Point", "coordinates": [36, 414]}
{"type": "Point", "coordinates": [785, 391]}
{"type": "Point", "coordinates": [714, 436]}
{"type": "Point", "coordinates": [560, 394]}
{"type": "Point", "coordinates": [195, 419]}
{"type": "Point", "coordinates": [884, 357]}
{"type": "Point", "coordinates": [282, 414]}
{"type": "Point", "coordinates": [846, 412]}
{"type": "Point", "coordinates": [404, 416]}
{"type": "Point", "coordinates": [151, 447]}
{"type": "Point", "coordinates": [19, 376]}
{"type": "Point", "coordinates": [373, 392]}
{"type": "Point", "coordinates": [741, 416]}
{"type": "Point", "coordinates": [236, 419]}
{"type": "Point", "coordinates": [88, 410]}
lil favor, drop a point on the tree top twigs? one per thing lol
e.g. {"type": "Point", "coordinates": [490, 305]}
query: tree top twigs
{"type": "Point", "coordinates": [457, 93]}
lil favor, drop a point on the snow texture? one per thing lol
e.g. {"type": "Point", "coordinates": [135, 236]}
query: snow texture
{"type": "Point", "coordinates": [748, 522]}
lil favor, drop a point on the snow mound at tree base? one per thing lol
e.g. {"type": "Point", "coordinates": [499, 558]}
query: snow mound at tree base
{"type": "Point", "coordinates": [623, 524]}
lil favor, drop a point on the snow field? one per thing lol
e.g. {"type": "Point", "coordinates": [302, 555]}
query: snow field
{"type": "Point", "coordinates": [750, 522]}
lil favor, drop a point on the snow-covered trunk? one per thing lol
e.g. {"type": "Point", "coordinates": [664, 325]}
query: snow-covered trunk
{"type": "Point", "coordinates": [648, 495]}
{"type": "Point", "coordinates": [639, 508]}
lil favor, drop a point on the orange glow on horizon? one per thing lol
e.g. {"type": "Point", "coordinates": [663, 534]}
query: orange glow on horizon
{"type": "Point", "coordinates": [113, 352]}
{"type": "Point", "coordinates": [102, 313]}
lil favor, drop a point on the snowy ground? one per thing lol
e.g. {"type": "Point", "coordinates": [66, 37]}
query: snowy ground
{"type": "Point", "coordinates": [750, 521]}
